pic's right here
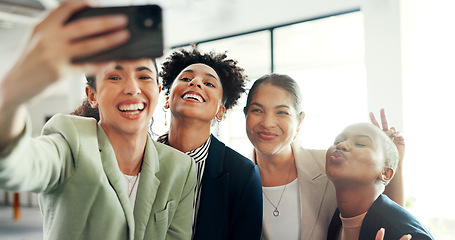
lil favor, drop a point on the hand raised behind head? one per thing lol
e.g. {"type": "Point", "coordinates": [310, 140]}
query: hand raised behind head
{"type": "Point", "coordinates": [396, 136]}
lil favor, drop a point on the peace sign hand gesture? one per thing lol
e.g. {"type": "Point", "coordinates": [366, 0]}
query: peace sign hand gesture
{"type": "Point", "coordinates": [396, 136]}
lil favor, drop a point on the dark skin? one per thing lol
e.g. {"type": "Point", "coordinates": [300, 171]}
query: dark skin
{"type": "Point", "coordinates": [359, 180]}
{"type": "Point", "coordinates": [394, 189]}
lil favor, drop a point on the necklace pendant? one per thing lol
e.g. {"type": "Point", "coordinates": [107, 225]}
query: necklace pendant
{"type": "Point", "coordinates": [276, 213]}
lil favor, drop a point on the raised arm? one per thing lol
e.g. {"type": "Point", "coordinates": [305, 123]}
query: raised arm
{"type": "Point", "coordinates": [46, 58]}
{"type": "Point", "coordinates": [395, 189]}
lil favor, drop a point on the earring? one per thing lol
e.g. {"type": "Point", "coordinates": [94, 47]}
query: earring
{"type": "Point", "coordinates": [165, 115]}
{"type": "Point", "coordinates": [218, 127]}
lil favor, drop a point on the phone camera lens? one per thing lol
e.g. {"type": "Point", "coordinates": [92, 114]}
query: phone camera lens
{"type": "Point", "coordinates": [148, 22]}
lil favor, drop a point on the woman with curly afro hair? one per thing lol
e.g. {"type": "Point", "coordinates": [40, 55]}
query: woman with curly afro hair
{"type": "Point", "coordinates": [200, 87]}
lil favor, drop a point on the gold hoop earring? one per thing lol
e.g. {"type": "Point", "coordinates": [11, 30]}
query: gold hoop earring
{"type": "Point", "coordinates": [165, 116]}
{"type": "Point", "coordinates": [218, 126]}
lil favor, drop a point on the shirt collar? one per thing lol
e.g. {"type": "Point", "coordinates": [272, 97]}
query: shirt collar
{"type": "Point", "coordinates": [199, 154]}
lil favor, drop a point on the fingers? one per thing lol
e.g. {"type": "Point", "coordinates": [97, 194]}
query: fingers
{"type": "Point", "coordinates": [385, 125]}
{"type": "Point", "coordinates": [373, 119]}
{"type": "Point", "coordinates": [406, 237]}
{"type": "Point", "coordinates": [90, 69]}
{"type": "Point", "coordinates": [94, 25]}
{"type": "Point", "coordinates": [99, 44]}
{"type": "Point", "coordinates": [380, 234]}
{"type": "Point", "coordinates": [396, 136]}
{"type": "Point", "coordinates": [65, 10]}
{"type": "Point", "coordinates": [392, 133]}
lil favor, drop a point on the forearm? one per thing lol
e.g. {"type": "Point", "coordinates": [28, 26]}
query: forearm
{"type": "Point", "coordinates": [395, 189]}
{"type": "Point", "coordinates": [12, 123]}
{"type": "Point", "coordinates": [17, 87]}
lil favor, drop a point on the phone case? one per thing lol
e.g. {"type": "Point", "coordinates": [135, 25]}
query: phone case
{"type": "Point", "coordinates": [146, 33]}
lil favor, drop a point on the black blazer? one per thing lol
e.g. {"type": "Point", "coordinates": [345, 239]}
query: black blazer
{"type": "Point", "coordinates": [231, 196]}
{"type": "Point", "coordinates": [384, 213]}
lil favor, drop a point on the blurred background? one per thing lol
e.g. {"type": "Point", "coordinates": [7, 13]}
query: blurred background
{"type": "Point", "coordinates": [350, 57]}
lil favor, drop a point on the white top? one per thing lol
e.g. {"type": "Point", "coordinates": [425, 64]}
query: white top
{"type": "Point", "coordinates": [288, 223]}
{"type": "Point", "coordinates": [131, 183]}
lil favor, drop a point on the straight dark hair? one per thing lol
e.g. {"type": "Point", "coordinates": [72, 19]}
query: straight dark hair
{"type": "Point", "coordinates": [283, 81]}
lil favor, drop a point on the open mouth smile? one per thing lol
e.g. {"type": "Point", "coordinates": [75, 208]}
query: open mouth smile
{"type": "Point", "coordinates": [191, 96]}
{"type": "Point", "coordinates": [131, 108]}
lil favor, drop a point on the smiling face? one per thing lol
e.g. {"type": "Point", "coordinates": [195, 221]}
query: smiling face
{"type": "Point", "coordinates": [197, 93]}
{"type": "Point", "coordinates": [271, 120]}
{"type": "Point", "coordinates": [357, 156]}
{"type": "Point", "coordinates": [126, 95]}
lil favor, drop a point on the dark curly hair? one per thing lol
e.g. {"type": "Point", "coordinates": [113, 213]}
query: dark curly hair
{"type": "Point", "coordinates": [232, 78]}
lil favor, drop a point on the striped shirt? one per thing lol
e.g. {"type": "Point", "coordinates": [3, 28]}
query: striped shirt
{"type": "Point", "coordinates": [199, 155]}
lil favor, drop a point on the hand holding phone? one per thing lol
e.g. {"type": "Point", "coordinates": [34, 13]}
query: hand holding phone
{"type": "Point", "coordinates": [146, 33]}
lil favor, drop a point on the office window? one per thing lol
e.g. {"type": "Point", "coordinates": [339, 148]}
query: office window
{"type": "Point", "coordinates": [252, 51]}
{"type": "Point", "coordinates": [326, 58]}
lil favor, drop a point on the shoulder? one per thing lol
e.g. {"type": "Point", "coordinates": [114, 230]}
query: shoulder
{"type": "Point", "coordinates": [397, 220]}
{"type": "Point", "coordinates": [301, 153]}
{"type": "Point", "coordinates": [309, 161]}
{"type": "Point", "coordinates": [68, 124]}
{"type": "Point", "coordinates": [232, 160]}
{"type": "Point", "coordinates": [170, 154]}
{"type": "Point", "coordinates": [75, 130]}
{"type": "Point", "coordinates": [172, 158]}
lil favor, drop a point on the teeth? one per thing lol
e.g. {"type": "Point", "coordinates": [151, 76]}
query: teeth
{"type": "Point", "coordinates": [193, 96]}
{"type": "Point", "coordinates": [132, 107]}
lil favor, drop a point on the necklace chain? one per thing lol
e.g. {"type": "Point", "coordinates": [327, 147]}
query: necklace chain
{"type": "Point", "coordinates": [131, 188]}
{"type": "Point", "coordinates": [276, 212]}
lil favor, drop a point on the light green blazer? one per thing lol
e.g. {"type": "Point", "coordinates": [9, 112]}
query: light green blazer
{"type": "Point", "coordinates": [82, 194]}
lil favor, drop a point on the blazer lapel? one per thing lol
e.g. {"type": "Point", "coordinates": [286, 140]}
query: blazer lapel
{"type": "Point", "coordinates": [335, 226]}
{"type": "Point", "coordinates": [311, 180]}
{"type": "Point", "coordinates": [147, 189]}
{"type": "Point", "coordinates": [115, 177]}
{"type": "Point", "coordinates": [214, 196]}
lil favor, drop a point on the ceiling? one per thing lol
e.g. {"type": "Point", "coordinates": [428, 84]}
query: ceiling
{"type": "Point", "coordinates": [195, 20]}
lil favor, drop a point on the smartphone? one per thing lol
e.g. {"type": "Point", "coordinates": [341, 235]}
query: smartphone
{"type": "Point", "coordinates": [146, 33]}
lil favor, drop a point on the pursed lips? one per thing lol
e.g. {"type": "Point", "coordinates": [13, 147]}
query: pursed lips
{"type": "Point", "coordinates": [337, 157]}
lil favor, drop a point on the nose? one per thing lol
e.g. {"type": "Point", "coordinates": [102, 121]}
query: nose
{"type": "Point", "coordinates": [132, 87]}
{"type": "Point", "coordinates": [196, 82]}
{"type": "Point", "coordinates": [268, 121]}
{"type": "Point", "coordinates": [343, 146]}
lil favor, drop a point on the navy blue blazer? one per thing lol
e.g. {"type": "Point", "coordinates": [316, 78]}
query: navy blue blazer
{"type": "Point", "coordinates": [231, 196]}
{"type": "Point", "coordinates": [384, 213]}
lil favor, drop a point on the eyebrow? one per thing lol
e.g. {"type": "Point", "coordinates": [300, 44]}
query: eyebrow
{"type": "Point", "coordinates": [276, 107]}
{"type": "Point", "coordinates": [282, 106]}
{"type": "Point", "coordinates": [207, 74]}
{"type": "Point", "coordinates": [257, 104]}
{"type": "Point", "coordinates": [143, 68]}
{"type": "Point", "coordinates": [138, 69]}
